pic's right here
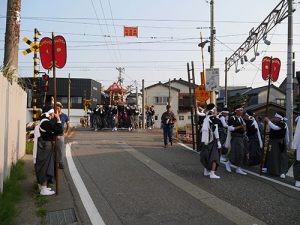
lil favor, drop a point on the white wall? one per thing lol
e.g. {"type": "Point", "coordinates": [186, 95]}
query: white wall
{"type": "Point", "coordinates": [161, 91]}
{"type": "Point", "coordinates": [12, 126]}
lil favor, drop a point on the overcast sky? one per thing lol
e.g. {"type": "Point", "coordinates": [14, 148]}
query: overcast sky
{"type": "Point", "coordinates": [169, 32]}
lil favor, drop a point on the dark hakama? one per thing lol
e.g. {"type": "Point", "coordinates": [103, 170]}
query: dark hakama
{"type": "Point", "coordinates": [277, 158]}
{"type": "Point", "coordinates": [209, 154]}
{"type": "Point", "coordinates": [44, 167]}
{"type": "Point", "coordinates": [223, 136]}
{"type": "Point", "coordinates": [254, 150]}
{"type": "Point", "coordinates": [238, 145]}
{"type": "Point", "coordinates": [296, 170]}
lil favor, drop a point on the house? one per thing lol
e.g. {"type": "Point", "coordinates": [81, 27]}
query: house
{"type": "Point", "coordinates": [232, 92]}
{"type": "Point", "coordinates": [158, 96]}
{"type": "Point", "coordinates": [258, 95]}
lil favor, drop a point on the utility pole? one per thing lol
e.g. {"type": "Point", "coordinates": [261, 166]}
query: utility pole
{"type": "Point", "coordinates": [212, 35]}
{"type": "Point", "coordinates": [143, 104]}
{"type": "Point", "coordinates": [289, 75]}
{"type": "Point", "coordinates": [12, 34]}
{"type": "Point", "coordinates": [225, 91]}
{"type": "Point", "coordinates": [169, 100]}
{"type": "Point", "coordinates": [69, 96]}
{"type": "Point", "coordinates": [212, 46]}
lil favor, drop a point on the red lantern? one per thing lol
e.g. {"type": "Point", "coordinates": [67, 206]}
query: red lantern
{"type": "Point", "coordinates": [46, 52]}
{"type": "Point", "coordinates": [275, 69]}
{"type": "Point", "coordinates": [266, 67]}
{"type": "Point", "coordinates": [60, 51]}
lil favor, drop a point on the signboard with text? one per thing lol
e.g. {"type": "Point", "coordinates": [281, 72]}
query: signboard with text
{"type": "Point", "coordinates": [212, 79]}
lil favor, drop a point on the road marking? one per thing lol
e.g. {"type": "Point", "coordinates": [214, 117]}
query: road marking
{"type": "Point", "coordinates": [86, 199]}
{"type": "Point", "coordinates": [250, 172]}
{"type": "Point", "coordinates": [229, 211]}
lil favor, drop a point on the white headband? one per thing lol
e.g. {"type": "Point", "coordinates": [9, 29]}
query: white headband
{"type": "Point", "coordinates": [280, 117]}
{"type": "Point", "coordinates": [225, 111]}
{"type": "Point", "coordinates": [238, 109]}
{"type": "Point", "coordinates": [50, 111]}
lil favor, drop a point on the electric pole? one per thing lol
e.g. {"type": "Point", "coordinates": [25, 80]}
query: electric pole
{"type": "Point", "coordinates": [212, 35]}
{"type": "Point", "coordinates": [12, 34]}
{"type": "Point", "coordinates": [289, 76]}
{"type": "Point", "coordinates": [143, 104]}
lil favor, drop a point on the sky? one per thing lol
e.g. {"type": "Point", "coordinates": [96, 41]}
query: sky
{"type": "Point", "coordinates": [169, 33]}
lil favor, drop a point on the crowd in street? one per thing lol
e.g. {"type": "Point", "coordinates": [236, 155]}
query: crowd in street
{"type": "Point", "coordinates": [237, 138]}
{"type": "Point", "coordinates": [119, 116]}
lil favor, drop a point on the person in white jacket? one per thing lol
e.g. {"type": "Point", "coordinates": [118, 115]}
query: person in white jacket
{"type": "Point", "coordinates": [210, 153]}
{"type": "Point", "coordinates": [296, 147]}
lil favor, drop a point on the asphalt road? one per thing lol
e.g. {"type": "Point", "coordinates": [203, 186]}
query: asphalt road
{"type": "Point", "coordinates": [132, 179]}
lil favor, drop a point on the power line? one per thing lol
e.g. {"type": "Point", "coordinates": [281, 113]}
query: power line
{"type": "Point", "coordinates": [143, 19]}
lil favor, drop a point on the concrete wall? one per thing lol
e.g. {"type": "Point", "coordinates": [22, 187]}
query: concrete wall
{"type": "Point", "coordinates": [12, 126]}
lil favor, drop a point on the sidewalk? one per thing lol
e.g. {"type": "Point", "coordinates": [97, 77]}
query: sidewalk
{"type": "Point", "coordinates": [62, 209]}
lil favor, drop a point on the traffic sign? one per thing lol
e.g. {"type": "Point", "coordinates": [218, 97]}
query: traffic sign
{"type": "Point", "coordinates": [201, 94]}
{"type": "Point", "coordinates": [34, 46]}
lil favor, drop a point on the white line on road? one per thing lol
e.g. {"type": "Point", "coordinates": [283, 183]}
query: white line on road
{"type": "Point", "coordinates": [229, 211]}
{"type": "Point", "coordinates": [86, 199]}
{"type": "Point", "coordinates": [250, 172]}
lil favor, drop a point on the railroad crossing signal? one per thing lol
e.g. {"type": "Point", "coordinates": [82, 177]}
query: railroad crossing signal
{"type": "Point", "coordinates": [34, 46]}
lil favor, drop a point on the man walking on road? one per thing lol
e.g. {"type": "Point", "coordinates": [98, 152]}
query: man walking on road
{"type": "Point", "coordinates": [60, 142]}
{"type": "Point", "coordinates": [168, 119]}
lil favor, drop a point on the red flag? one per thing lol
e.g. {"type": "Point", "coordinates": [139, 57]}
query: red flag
{"type": "Point", "coordinates": [266, 67]}
{"type": "Point", "coordinates": [46, 52]}
{"type": "Point", "coordinates": [275, 69]}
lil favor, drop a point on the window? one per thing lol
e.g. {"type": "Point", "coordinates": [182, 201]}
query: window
{"type": "Point", "coordinates": [161, 100]}
{"type": "Point", "coordinates": [189, 117]}
{"type": "Point", "coordinates": [76, 100]}
{"type": "Point", "coordinates": [64, 100]}
{"type": "Point", "coordinates": [280, 101]}
{"type": "Point", "coordinates": [181, 117]}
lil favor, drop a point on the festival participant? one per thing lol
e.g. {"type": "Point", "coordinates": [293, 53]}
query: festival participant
{"type": "Point", "coordinates": [238, 140]}
{"type": "Point", "coordinates": [210, 154]}
{"type": "Point", "coordinates": [49, 127]}
{"type": "Point", "coordinates": [277, 163]}
{"type": "Point", "coordinates": [255, 143]}
{"type": "Point", "coordinates": [222, 129]}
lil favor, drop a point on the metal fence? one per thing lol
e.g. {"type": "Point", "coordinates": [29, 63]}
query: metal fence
{"type": "Point", "coordinates": [12, 126]}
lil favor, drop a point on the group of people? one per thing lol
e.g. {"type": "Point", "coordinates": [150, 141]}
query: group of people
{"type": "Point", "coordinates": [114, 117]}
{"type": "Point", "coordinates": [48, 140]}
{"type": "Point", "coordinates": [237, 138]}
{"type": "Point", "coordinates": [119, 116]}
